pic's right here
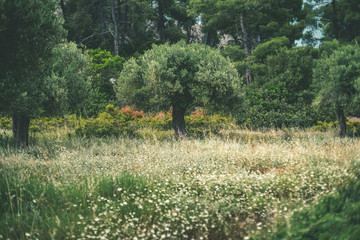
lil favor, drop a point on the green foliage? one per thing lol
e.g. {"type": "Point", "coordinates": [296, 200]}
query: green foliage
{"type": "Point", "coordinates": [69, 85]}
{"type": "Point", "coordinates": [269, 107]}
{"type": "Point", "coordinates": [127, 122]}
{"type": "Point", "coordinates": [235, 53]}
{"type": "Point", "coordinates": [325, 126]}
{"type": "Point", "coordinates": [46, 124]}
{"type": "Point", "coordinates": [91, 23]}
{"type": "Point", "coordinates": [180, 74]}
{"type": "Point", "coordinates": [118, 122]}
{"type": "Point", "coordinates": [29, 32]}
{"type": "Point", "coordinates": [280, 95]}
{"type": "Point", "coordinates": [263, 19]}
{"type": "Point", "coordinates": [352, 127]}
{"type": "Point", "coordinates": [5, 123]}
{"type": "Point", "coordinates": [105, 70]}
{"type": "Point", "coordinates": [272, 47]}
{"type": "Point", "coordinates": [37, 208]}
{"type": "Point", "coordinates": [336, 77]}
{"type": "Point", "coordinates": [156, 123]}
{"type": "Point", "coordinates": [336, 216]}
{"type": "Point", "coordinates": [338, 19]}
{"type": "Point", "coordinates": [110, 122]}
{"type": "Point", "coordinates": [208, 125]}
{"type": "Point", "coordinates": [237, 56]}
{"type": "Point", "coordinates": [273, 63]}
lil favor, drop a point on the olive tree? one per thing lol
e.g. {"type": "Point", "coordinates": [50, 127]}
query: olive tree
{"type": "Point", "coordinates": [179, 76]}
{"type": "Point", "coordinates": [28, 32]}
{"type": "Point", "coordinates": [39, 72]}
{"type": "Point", "coordinates": [337, 79]}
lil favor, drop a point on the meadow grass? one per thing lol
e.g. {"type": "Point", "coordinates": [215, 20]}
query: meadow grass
{"type": "Point", "coordinates": [236, 185]}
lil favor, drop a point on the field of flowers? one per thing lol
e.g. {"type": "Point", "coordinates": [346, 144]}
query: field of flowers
{"type": "Point", "coordinates": [237, 185]}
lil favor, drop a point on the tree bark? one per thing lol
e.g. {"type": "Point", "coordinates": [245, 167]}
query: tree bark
{"type": "Point", "coordinates": [116, 30]}
{"type": "Point", "coordinates": [178, 115]}
{"type": "Point", "coordinates": [247, 47]}
{"type": "Point", "coordinates": [62, 5]}
{"type": "Point", "coordinates": [188, 34]}
{"type": "Point", "coordinates": [335, 20]}
{"type": "Point", "coordinates": [102, 20]}
{"type": "Point", "coordinates": [20, 128]}
{"type": "Point", "coordinates": [340, 117]}
{"type": "Point", "coordinates": [211, 38]}
{"type": "Point", "coordinates": [161, 21]}
{"type": "Point", "coordinates": [14, 125]}
{"type": "Point", "coordinates": [124, 22]}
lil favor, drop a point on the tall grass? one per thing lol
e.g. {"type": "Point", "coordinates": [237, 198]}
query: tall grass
{"type": "Point", "coordinates": [233, 186]}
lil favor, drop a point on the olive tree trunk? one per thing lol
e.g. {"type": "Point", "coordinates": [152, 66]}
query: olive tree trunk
{"type": "Point", "coordinates": [178, 115]}
{"type": "Point", "coordinates": [20, 129]}
{"type": "Point", "coordinates": [340, 117]}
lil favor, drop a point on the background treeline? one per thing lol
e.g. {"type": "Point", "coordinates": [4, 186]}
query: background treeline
{"type": "Point", "coordinates": [71, 56]}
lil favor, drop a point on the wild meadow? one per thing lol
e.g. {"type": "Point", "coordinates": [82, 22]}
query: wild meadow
{"type": "Point", "coordinates": [180, 119]}
{"type": "Point", "coordinates": [239, 184]}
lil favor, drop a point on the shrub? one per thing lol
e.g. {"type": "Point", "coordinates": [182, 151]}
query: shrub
{"type": "Point", "coordinates": [45, 123]}
{"type": "Point", "coordinates": [199, 112]}
{"type": "Point", "coordinates": [5, 123]}
{"type": "Point", "coordinates": [336, 216]}
{"type": "Point", "coordinates": [110, 122]}
{"type": "Point", "coordinates": [158, 124]}
{"type": "Point", "coordinates": [269, 107]}
{"type": "Point", "coordinates": [353, 127]}
{"type": "Point", "coordinates": [131, 112]}
{"type": "Point", "coordinates": [207, 125]}
{"type": "Point", "coordinates": [127, 121]}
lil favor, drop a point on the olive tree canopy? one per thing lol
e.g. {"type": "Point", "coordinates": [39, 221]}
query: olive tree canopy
{"type": "Point", "coordinates": [179, 76]}
{"type": "Point", "coordinates": [337, 79]}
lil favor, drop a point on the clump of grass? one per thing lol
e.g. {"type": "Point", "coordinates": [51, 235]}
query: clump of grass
{"type": "Point", "coordinates": [38, 209]}
{"type": "Point", "coordinates": [232, 186]}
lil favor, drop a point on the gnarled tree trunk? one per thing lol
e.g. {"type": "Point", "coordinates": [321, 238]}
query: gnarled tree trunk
{"type": "Point", "coordinates": [340, 117]}
{"type": "Point", "coordinates": [20, 129]}
{"type": "Point", "coordinates": [178, 115]}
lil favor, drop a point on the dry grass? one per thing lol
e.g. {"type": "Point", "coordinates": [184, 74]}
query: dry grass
{"type": "Point", "coordinates": [251, 153]}
{"type": "Point", "coordinates": [243, 181]}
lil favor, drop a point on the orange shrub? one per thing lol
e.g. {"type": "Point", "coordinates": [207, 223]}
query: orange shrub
{"type": "Point", "coordinates": [131, 112]}
{"type": "Point", "coordinates": [163, 115]}
{"type": "Point", "coordinates": [199, 113]}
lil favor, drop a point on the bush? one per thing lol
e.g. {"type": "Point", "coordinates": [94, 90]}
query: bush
{"type": "Point", "coordinates": [5, 123]}
{"type": "Point", "coordinates": [207, 125]}
{"type": "Point", "coordinates": [159, 124]}
{"type": "Point", "coordinates": [110, 122]}
{"type": "Point", "coordinates": [127, 121]}
{"type": "Point", "coordinates": [131, 112]}
{"type": "Point", "coordinates": [269, 107]}
{"type": "Point", "coordinates": [45, 123]}
{"type": "Point", "coordinates": [336, 216]}
{"type": "Point", "coordinates": [353, 127]}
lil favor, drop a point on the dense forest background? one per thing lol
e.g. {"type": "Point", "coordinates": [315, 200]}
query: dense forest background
{"type": "Point", "coordinates": [297, 62]}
